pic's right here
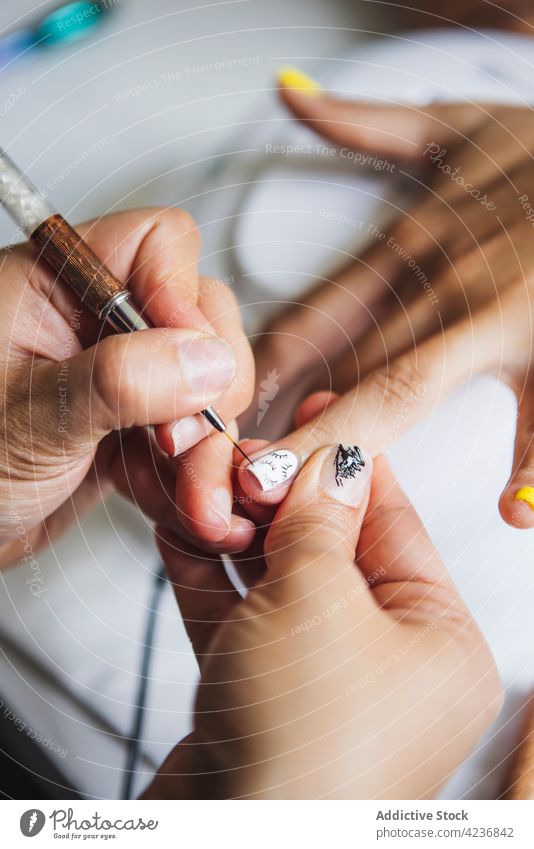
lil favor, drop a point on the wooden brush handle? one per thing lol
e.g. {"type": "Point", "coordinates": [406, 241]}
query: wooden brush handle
{"type": "Point", "coordinates": [520, 779]}
{"type": "Point", "coordinates": [75, 262]}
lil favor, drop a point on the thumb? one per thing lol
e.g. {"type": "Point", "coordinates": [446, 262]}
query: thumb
{"type": "Point", "coordinates": [149, 377]}
{"type": "Point", "coordinates": [314, 534]}
{"type": "Point", "coordinates": [399, 131]}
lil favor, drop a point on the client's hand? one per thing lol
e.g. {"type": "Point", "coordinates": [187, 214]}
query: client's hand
{"type": "Point", "coordinates": [331, 678]}
{"type": "Point", "coordinates": [63, 394]}
{"type": "Point", "coordinates": [443, 294]}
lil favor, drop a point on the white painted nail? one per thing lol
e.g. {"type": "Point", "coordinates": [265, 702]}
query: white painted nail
{"type": "Point", "coordinates": [275, 468]}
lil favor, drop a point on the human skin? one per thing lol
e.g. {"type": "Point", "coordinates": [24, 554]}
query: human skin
{"type": "Point", "coordinates": [515, 15]}
{"type": "Point", "coordinates": [68, 399]}
{"type": "Point", "coordinates": [284, 757]}
{"type": "Point", "coordinates": [392, 352]}
{"type": "Point", "coordinates": [332, 678]}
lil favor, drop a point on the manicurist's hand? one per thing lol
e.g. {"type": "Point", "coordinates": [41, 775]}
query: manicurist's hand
{"type": "Point", "coordinates": [444, 293]}
{"type": "Point", "coordinates": [67, 384]}
{"type": "Point", "coordinates": [334, 677]}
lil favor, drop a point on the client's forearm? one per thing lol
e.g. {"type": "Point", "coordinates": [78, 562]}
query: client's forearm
{"type": "Point", "coordinates": [515, 15]}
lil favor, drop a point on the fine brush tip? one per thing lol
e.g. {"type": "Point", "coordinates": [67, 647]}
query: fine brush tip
{"type": "Point", "coordinates": [234, 443]}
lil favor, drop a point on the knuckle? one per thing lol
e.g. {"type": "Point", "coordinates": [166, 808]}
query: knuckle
{"type": "Point", "coordinates": [181, 223]}
{"type": "Point", "coordinates": [311, 533]}
{"type": "Point", "coordinates": [401, 384]}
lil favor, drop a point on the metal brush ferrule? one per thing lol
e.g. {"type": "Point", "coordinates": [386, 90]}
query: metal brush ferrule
{"type": "Point", "coordinates": [123, 316]}
{"type": "Point", "coordinates": [214, 419]}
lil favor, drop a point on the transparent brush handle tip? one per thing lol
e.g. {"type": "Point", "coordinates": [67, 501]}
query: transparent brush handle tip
{"type": "Point", "coordinates": [20, 198]}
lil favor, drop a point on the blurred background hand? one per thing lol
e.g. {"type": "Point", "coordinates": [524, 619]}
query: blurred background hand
{"type": "Point", "coordinates": [441, 295]}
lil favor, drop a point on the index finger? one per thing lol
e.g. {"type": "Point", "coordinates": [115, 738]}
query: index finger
{"type": "Point", "coordinates": [155, 253]}
{"type": "Point", "coordinates": [385, 404]}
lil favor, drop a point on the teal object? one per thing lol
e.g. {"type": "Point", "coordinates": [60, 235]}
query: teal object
{"type": "Point", "coordinates": [68, 23]}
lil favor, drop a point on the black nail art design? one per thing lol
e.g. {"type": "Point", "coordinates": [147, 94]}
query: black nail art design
{"type": "Point", "coordinates": [348, 462]}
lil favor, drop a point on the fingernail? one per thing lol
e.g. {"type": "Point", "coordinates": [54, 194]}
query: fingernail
{"type": "Point", "coordinates": [346, 473]}
{"type": "Point", "coordinates": [274, 469]}
{"type": "Point", "coordinates": [526, 494]}
{"type": "Point", "coordinates": [186, 433]}
{"type": "Point", "coordinates": [220, 510]}
{"type": "Point", "coordinates": [208, 364]}
{"type": "Point", "coordinates": [290, 77]}
{"type": "Point", "coordinates": [240, 524]}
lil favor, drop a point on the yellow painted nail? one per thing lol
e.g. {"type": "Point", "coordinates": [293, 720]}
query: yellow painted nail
{"type": "Point", "coordinates": [289, 77]}
{"type": "Point", "coordinates": [526, 494]}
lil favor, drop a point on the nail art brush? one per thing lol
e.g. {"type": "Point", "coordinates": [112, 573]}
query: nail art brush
{"type": "Point", "coordinates": [75, 263]}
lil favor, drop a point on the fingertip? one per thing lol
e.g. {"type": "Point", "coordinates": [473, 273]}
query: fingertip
{"type": "Point", "coordinates": [516, 506]}
{"type": "Point", "coordinates": [260, 514]}
{"type": "Point", "coordinates": [268, 478]}
{"type": "Point", "coordinates": [525, 495]}
{"type": "Point", "coordinates": [293, 81]}
{"type": "Point", "coordinates": [254, 490]}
